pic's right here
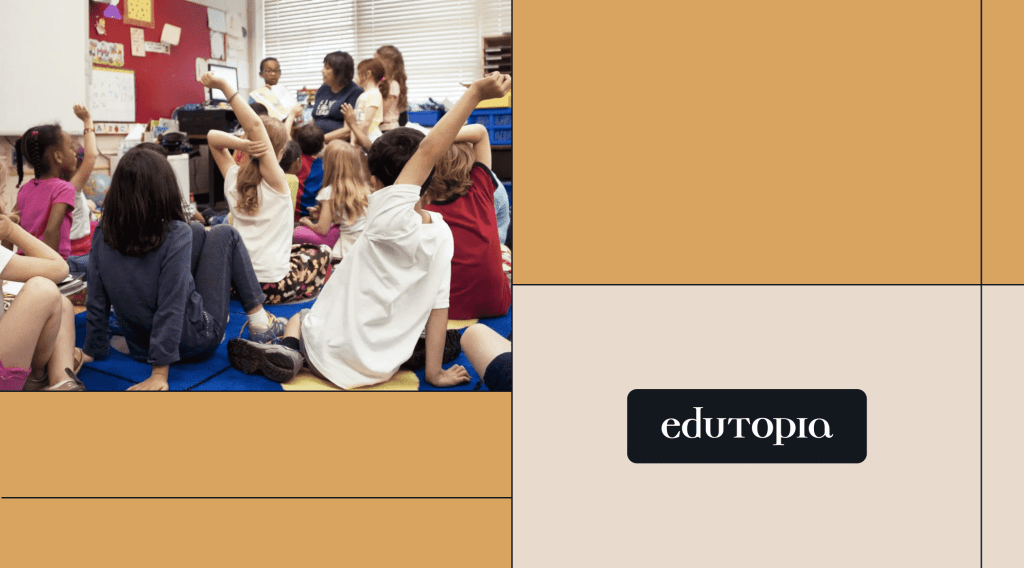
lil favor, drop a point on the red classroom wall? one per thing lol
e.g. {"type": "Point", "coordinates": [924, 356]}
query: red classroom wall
{"type": "Point", "coordinates": [162, 82]}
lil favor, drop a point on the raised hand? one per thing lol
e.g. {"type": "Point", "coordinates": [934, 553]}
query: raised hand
{"type": "Point", "coordinates": [214, 82]}
{"type": "Point", "coordinates": [82, 113]}
{"type": "Point", "coordinates": [493, 86]}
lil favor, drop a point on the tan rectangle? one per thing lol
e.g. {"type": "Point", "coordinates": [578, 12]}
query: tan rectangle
{"type": "Point", "coordinates": [748, 142]}
{"type": "Point", "coordinates": [1003, 88]}
{"type": "Point", "coordinates": [175, 533]}
{"type": "Point", "coordinates": [256, 444]}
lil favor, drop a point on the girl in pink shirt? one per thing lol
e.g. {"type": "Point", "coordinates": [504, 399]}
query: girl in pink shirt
{"type": "Point", "coordinates": [45, 203]}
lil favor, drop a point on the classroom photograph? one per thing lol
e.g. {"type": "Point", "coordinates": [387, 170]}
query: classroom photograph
{"type": "Point", "coordinates": [256, 195]}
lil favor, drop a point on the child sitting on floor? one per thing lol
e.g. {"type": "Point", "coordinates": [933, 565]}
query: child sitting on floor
{"type": "Point", "coordinates": [394, 280]}
{"type": "Point", "coordinates": [37, 332]}
{"type": "Point", "coordinates": [463, 193]}
{"type": "Point", "coordinates": [311, 175]}
{"type": "Point", "coordinates": [45, 204]}
{"type": "Point", "coordinates": [260, 202]}
{"type": "Point", "coordinates": [169, 282]}
{"type": "Point", "coordinates": [342, 214]}
{"type": "Point", "coordinates": [81, 219]}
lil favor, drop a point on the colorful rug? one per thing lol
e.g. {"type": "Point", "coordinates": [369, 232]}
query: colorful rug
{"type": "Point", "coordinates": [119, 371]}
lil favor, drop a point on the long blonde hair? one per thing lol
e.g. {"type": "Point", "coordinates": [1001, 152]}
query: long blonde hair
{"type": "Point", "coordinates": [249, 176]}
{"type": "Point", "coordinates": [394, 67]}
{"type": "Point", "coordinates": [452, 176]}
{"type": "Point", "coordinates": [345, 170]}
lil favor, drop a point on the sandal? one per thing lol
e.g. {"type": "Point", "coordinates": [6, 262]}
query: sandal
{"type": "Point", "coordinates": [79, 361]}
{"type": "Point", "coordinates": [72, 383]}
{"type": "Point", "coordinates": [43, 382]}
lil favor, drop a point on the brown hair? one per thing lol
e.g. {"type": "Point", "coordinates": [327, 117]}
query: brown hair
{"type": "Point", "coordinates": [376, 69]}
{"type": "Point", "coordinates": [345, 170]}
{"type": "Point", "coordinates": [451, 178]}
{"type": "Point", "coordinates": [394, 66]}
{"type": "Point", "coordinates": [249, 176]}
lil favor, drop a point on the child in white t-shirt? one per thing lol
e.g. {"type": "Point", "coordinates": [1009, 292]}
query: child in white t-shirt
{"type": "Point", "coordinates": [393, 282]}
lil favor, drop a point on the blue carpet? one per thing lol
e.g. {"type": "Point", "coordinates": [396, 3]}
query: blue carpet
{"type": "Point", "coordinates": [118, 371]}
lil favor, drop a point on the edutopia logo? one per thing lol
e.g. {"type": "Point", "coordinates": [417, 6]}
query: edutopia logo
{"type": "Point", "coordinates": [762, 428]}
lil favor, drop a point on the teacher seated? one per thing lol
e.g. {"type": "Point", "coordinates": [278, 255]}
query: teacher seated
{"type": "Point", "coordinates": [338, 88]}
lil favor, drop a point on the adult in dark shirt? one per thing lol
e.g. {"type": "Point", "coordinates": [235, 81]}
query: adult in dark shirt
{"type": "Point", "coordinates": [168, 282]}
{"type": "Point", "coordinates": [338, 88]}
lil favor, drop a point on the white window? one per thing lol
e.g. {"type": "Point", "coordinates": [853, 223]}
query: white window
{"type": "Point", "coordinates": [440, 40]}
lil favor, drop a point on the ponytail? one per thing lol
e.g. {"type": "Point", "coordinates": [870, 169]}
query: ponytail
{"type": "Point", "coordinates": [33, 146]}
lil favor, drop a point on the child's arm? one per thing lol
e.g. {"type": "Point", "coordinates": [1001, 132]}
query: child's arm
{"type": "Point", "coordinates": [91, 153]}
{"type": "Point", "coordinates": [254, 129]}
{"type": "Point", "coordinates": [51, 235]}
{"type": "Point", "coordinates": [39, 259]}
{"type": "Point", "coordinates": [323, 224]}
{"type": "Point", "coordinates": [358, 132]}
{"type": "Point", "coordinates": [289, 121]}
{"type": "Point", "coordinates": [476, 134]}
{"type": "Point", "coordinates": [441, 136]}
{"type": "Point", "coordinates": [437, 326]}
{"type": "Point", "coordinates": [221, 143]}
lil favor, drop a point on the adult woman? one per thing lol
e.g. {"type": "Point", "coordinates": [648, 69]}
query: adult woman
{"type": "Point", "coordinates": [338, 88]}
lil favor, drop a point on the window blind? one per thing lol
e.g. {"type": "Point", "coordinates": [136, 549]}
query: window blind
{"type": "Point", "coordinates": [440, 40]}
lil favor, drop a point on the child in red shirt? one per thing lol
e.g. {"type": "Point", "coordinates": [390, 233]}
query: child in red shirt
{"type": "Point", "coordinates": [462, 191]}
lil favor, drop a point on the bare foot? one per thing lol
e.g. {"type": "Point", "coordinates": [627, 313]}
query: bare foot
{"type": "Point", "coordinates": [153, 383]}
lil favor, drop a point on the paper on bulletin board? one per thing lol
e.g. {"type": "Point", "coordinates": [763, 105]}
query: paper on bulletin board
{"type": "Point", "coordinates": [171, 35]}
{"type": "Point", "coordinates": [138, 42]}
{"type": "Point", "coordinates": [236, 43]}
{"type": "Point", "coordinates": [234, 24]}
{"type": "Point", "coordinates": [238, 61]}
{"type": "Point", "coordinates": [217, 20]}
{"type": "Point", "coordinates": [216, 45]}
{"type": "Point", "coordinates": [112, 95]}
{"type": "Point", "coordinates": [157, 47]}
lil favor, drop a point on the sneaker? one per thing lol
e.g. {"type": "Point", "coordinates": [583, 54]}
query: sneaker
{"type": "Point", "coordinates": [276, 362]}
{"type": "Point", "coordinates": [272, 335]}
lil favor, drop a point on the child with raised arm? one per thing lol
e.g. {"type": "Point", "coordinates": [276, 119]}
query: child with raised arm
{"type": "Point", "coordinates": [81, 218]}
{"type": "Point", "coordinates": [260, 201]}
{"type": "Point", "coordinates": [462, 191]}
{"type": "Point", "coordinates": [393, 282]}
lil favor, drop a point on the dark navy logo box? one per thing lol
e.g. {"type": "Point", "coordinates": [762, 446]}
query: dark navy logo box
{"type": "Point", "coordinates": [747, 426]}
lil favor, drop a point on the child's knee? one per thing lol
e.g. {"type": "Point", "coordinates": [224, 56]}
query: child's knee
{"type": "Point", "coordinates": [67, 306]}
{"type": "Point", "coordinates": [39, 291]}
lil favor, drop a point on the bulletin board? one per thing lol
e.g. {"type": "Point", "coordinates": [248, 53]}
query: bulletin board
{"type": "Point", "coordinates": [112, 95]}
{"type": "Point", "coordinates": [163, 82]}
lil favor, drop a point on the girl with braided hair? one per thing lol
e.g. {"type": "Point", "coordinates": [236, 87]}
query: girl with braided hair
{"type": "Point", "coordinates": [45, 203]}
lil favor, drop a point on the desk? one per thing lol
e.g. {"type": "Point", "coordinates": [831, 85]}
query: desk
{"type": "Point", "coordinates": [214, 178]}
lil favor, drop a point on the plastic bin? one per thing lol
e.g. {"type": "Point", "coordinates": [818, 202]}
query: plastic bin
{"type": "Point", "coordinates": [425, 117]}
{"type": "Point", "coordinates": [498, 122]}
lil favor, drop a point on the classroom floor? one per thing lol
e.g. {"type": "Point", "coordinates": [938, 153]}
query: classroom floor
{"type": "Point", "coordinates": [305, 381]}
